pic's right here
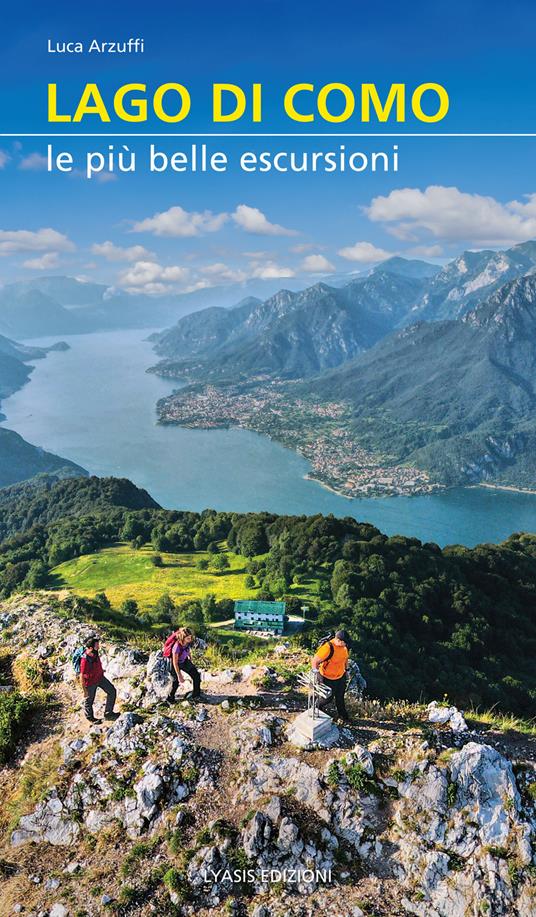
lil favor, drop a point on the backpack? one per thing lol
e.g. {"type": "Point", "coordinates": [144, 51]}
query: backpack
{"type": "Point", "coordinates": [76, 658]}
{"type": "Point", "coordinates": [168, 646]}
{"type": "Point", "coordinates": [322, 643]}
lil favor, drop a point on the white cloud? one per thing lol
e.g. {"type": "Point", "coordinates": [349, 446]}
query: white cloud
{"type": "Point", "coordinates": [304, 247]}
{"type": "Point", "coordinates": [33, 162]}
{"type": "Point", "coordinates": [253, 220]}
{"type": "Point", "coordinates": [259, 255]}
{"type": "Point", "coordinates": [316, 264]}
{"type": "Point", "coordinates": [271, 271]}
{"type": "Point", "coordinates": [456, 216]}
{"type": "Point", "coordinates": [364, 253]}
{"type": "Point", "coordinates": [220, 273]}
{"type": "Point", "coordinates": [4, 159]}
{"type": "Point", "coordinates": [25, 240]}
{"type": "Point", "coordinates": [116, 253]}
{"type": "Point", "coordinates": [44, 263]}
{"type": "Point", "coordinates": [179, 223]}
{"type": "Point", "coordinates": [150, 277]}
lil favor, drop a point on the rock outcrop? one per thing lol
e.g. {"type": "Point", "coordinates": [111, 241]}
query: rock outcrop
{"type": "Point", "coordinates": [227, 812]}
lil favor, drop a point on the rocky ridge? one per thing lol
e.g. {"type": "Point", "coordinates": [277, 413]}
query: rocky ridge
{"type": "Point", "coordinates": [209, 809]}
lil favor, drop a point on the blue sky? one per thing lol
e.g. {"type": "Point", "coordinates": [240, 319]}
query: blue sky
{"type": "Point", "coordinates": [182, 231]}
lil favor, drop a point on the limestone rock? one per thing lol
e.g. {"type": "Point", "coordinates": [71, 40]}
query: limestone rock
{"type": "Point", "coordinates": [360, 755]}
{"type": "Point", "coordinates": [148, 791]}
{"type": "Point", "coordinates": [49, 822]}
{"type": "Point", "coordinates": [444, 716]}
{"type": "Point", "coordinates": [158, 678]}
{"type": "Point", "coordinates": [58, 910]}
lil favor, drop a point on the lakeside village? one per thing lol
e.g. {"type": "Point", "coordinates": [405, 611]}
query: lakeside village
{"type": "Point", "coordinates": [317, 431]}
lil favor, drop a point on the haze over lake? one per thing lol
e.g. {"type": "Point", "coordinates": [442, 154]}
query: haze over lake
{"type": "Point", "coordinates": [95, 405]}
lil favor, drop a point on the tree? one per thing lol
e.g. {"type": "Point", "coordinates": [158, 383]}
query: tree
{"type": "Point", "coordinates": [343, 573]}
{"type": "Point", "coordinates": [37, 575]}
{"type": "Point", "coordinates": [345, 596]}
{"type": "Point", "coordinates": [209, 607]}
{"type": "Point", "coordinates": [249, 582]}
{"type": "Point", "coordinates": [165, 607]}
{"type": "Point", "coordinates": [220, 563]}
{"type": "Point", "coordinates": [213, 547]}
{"type": "Point", "coordinates": [157, 561]}
{"type": "Point", "coordinates": [278, 586]}
{"type": "Point", "coordinates": [202, 563]}
{"type": "Point", "coordinates": [130, 608]}
{"type": "Point", "coordinates": [252, 538]}
{"type": "Point", "coordinates": [191, 615]}
{"type": "Point", "coordinates": [131, 528]}
{"type": "Point", "coordinates": [102, 599]}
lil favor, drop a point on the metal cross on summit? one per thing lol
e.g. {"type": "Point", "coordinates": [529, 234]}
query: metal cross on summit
{"type": "Point", "coordinates": [315, 691]}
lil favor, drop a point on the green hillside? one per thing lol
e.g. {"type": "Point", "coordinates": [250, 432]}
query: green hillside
{"type": "Point", "coordinates": [46, 499]}
{"type": "Point", "coordinates": [20, 460]}
{"type": "Point", "coordinates": [425, 621]}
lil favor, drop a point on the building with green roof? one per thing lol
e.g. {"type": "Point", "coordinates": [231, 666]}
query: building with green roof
{"type": "Point", "coordinates": [251, 615]}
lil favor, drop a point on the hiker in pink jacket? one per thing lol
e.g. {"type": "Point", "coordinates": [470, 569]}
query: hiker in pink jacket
{"type": "Point", "coordinates": [177, 649]}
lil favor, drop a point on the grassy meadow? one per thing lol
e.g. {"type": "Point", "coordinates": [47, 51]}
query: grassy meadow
{"type": "Point", "coordinates": [123, 572]}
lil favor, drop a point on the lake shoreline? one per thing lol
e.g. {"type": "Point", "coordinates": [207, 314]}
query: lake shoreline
{"type": "Point", "coordinates": [95, 405]}
{"type": "Point", "coordinates": [507, 487]}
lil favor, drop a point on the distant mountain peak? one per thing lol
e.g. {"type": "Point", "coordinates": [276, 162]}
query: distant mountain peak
{"type": "Point", "coordinates": [407, 267]}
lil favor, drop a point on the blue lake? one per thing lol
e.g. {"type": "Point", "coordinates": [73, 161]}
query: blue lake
{"type": "Point", "coordinates": [95, 405]}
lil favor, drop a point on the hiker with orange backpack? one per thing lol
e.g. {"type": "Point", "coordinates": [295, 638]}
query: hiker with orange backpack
{"type": "Point", "coordinates": [177, 650]}
{"type": "Point", "coordinates": [330, 663]}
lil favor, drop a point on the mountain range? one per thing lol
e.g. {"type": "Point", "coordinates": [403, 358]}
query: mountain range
{"type": "Point", "coordinates": [457, 397]}
{"type": "Point", "coordinates": [297, 334]}
{"type": "Point", "coordinates": [470, 278]}
{"type": "Point", "coordinates": [67, 305]}
{"type": "Point", "coordinates": [289, 335]}
{"type": "Point", "coordinates": [436, 363]}
{"type": "Point", "coordinates": [438, 366]}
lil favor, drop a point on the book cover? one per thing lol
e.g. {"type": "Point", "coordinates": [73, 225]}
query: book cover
{"type": "Point", "coordinates": [267, 459]}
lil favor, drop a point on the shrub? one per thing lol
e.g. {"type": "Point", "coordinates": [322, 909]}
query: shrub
{"type": "Point", "coordinates": [359, 780]}
{"type": "Point", "coordinates": [175, 841]}
{"type": "Point", "coordinates": [452, 792]}
{"type": "Point", "coordinates": [177, 882]}
{"type": "Point", "coordinates": [203, 837]}
{"type": "Point", "coordinates": [29, 672]}
{"type": "Point", "coordinates": [15, 712]}
{"type": "Point", "coordinates": [333, 776]}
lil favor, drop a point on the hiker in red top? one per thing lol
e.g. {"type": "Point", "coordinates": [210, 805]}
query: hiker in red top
{"type": "Point", "coordinates": [92, 677]}
{"type": "Point", "coordinates": [177, 651]}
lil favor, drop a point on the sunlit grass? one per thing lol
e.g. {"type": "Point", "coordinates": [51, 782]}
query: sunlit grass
{"type": "Point", "coordinates": [504, 722]}
{"type": "Point", "coordinates": [34, 778]}
{"type": "Point", "coordinates": [123, 572]}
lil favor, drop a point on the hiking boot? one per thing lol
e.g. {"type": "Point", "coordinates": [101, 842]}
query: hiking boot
{"type": "Point", "coordinates": [111, 716]}
{"type": "Point", "coordinates": [93, 719]}
{"type": "Point", "coordinates": [197, 698]}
